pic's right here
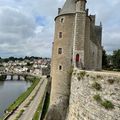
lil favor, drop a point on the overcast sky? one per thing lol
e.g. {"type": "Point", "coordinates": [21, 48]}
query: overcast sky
{"type": "Point", "coordinates": [27, 26]}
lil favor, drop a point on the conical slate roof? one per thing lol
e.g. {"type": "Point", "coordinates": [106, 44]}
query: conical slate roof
{"type": "Point", "coordinates": [69, 7]}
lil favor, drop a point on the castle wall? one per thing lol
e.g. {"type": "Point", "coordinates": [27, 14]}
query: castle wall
{"type": "Point", "coordinates": [83, 106]}
{"type": "Point", "coordinates": [61, 78]}
{"type": "Point", "coordinates": [99, 60]}
{"type": "Point", "coordinates": [87, 45]}
{"type": "Point", "coordinates": [92, 46]}
{"type": "Point", "coordinates": [75, 43]}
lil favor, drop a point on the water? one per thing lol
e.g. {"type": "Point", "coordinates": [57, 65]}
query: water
{"type": "Point", "coordinates": [9, 91]}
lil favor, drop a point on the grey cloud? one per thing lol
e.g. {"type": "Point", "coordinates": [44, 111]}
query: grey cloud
{"type": "Point", "coordinates": [12, 21]}
{"type": "Point", "coordinates": [19, 34]}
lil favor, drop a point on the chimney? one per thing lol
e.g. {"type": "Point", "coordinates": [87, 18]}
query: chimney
{"type": "Point", "coordinates": [59, 9]}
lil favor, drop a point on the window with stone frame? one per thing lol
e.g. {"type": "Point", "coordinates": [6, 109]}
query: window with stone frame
{"type": "Point", "coordinates": [60, 35]}
{"type": "Point", "coordinates": [62, 20]}
{"type": "Point", "coordinates": [59, 50]}
{"type": "Point", "coordinates": [60, 67]}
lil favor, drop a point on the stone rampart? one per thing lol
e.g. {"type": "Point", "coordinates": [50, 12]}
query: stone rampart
{"type": "Point", "coordinates": [94, 96]}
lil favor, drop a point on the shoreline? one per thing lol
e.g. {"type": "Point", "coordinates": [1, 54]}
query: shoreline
{"type": "Point", "coordinates": [15, 104]}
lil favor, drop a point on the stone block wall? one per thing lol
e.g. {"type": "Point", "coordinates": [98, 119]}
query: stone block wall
{"type": "Point", "coordinates": [61, 65]}
{"type": "Point", "coordinates": [83, 104]}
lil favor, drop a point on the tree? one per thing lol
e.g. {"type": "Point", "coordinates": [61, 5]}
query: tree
{"type": "Point", "coordinates": [104, 59]}
{"type": "Point", "coordinates": [116, 59]}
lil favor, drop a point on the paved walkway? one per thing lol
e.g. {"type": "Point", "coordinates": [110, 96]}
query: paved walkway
{"type": "Point", "coordinates": [30, 110]}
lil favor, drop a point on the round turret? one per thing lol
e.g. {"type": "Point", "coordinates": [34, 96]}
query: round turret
{"type": "Point", "coordinates": [62, 62]}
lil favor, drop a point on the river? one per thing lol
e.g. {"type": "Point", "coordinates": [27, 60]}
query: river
{"type": "Point", "coordinates": [9, 91]}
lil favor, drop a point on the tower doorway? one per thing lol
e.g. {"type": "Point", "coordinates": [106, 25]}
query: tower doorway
{"type": "Point", "coordinates": [77, 60]}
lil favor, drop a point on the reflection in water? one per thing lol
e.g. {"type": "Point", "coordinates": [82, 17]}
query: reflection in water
{"type": "Point", "coordinates": [9, 91]}
{"type": "Point", "coordinates": [1, 84]}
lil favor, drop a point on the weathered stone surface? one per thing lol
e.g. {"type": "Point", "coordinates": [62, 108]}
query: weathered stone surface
{"type": "Point", "coordinates": [82, 105]}
{"type": "Point", "coordinates": [76, 37]}
{"type": "Point", "coordinates": [53, 114]}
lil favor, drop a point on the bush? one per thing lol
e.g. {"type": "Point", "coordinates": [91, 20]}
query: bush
{"type": "Point", "coordinates": [111, 81]}
{"type": "Point", "coordinates": [19, 115]}
{"type": "Point", "coordinates": [82, 73]}
{"type": "Point", "coordinates": [97, 98]}
{"type": "Point", "coordinates": [107, 104]}
{"type": "Point", "coordinates": [99, 76]}
{"type": "Point", "coordinates": [97, 86]}
{"type": "Point", "coordinates": [87, 75]}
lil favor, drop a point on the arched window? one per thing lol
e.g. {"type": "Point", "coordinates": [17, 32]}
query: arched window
{"type": "Point", "coordinates": [62, 20]}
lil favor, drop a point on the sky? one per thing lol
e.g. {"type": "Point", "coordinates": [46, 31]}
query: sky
{"type": "Point", "coordinates": [27, 26]}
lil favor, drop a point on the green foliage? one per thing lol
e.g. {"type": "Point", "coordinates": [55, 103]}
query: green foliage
{"type": "Point", "coordinates": [79, 78]}
{"type": "Point", "coordinates": [19, 115]}
{"type": "Point", "coordinates": [93, 77]}
{"type": "Point", "coordinates": [116, 59]}
{"type": "Point", "coordinates": [74, 73]}
{"type": "Point", "coordinates": [104, 59]}
{"type": "Point", "coordinates": [97, 86]}
{"type": "Point", "coordinates": [97, 98]}
{"type": "Point", "coordinates": [99, 76]}
{"type": "Point", "coordinates": [46, 105]}
{"type": "Point", "coordinates": [87, 75]}
{"type": "Point", "coordinates": [23, 96]}
{"type": "Point", "coordinates": [111, 81]}
{"type": "Point", "coordinates": [45, 108]}
{"type": "Point", "coordinates": [20, 59]}
{"type": "Point", "coordinates": [29, 64]}
{"type": "Point", "coordinates": [81, 75]}
{"type": "Point", "coordinates": [37, 113]}
{"type": "Point", "coordinates": [2, 77]}
{"type": "Point", "coordinates": [107, 104]}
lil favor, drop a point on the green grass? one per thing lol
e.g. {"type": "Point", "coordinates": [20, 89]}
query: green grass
{"type": "Point", "coordinates": [81, 75]}
{"type": "Point", "coordinates": [46, 105]}
{"type": "Point", "coordinates": [111, 81]}
{"type": "Point", "coordinates": [23, 96]}
{"type": "Point", "coordinates": [39, 109]}
{"type": "Point", "coordinates": [107, 104]}
{"type": "Point", "coordinates": [19, 115]}
{"type": "Point", "coordinates": [43, 108]}
{"type": "Point", "coordinates": [97, 98]}
{"type": "Point", "coordinates": [97, 86]}
{"type": "Point", "coordinates": [99, 76]}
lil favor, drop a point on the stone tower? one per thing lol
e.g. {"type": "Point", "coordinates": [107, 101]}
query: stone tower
{"type": "Point", "coordinates": [77, 43]}
{"type": "Point", "coordinates": [79, 34]}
